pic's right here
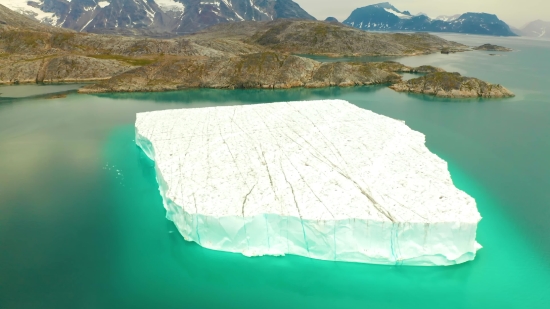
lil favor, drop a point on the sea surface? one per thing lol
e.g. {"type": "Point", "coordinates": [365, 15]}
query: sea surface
{"type": "Point", "coordinates": [82, 223]}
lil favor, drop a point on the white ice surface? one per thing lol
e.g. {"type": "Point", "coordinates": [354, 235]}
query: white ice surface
{"type": "Point", "coordinates": [322, 179]}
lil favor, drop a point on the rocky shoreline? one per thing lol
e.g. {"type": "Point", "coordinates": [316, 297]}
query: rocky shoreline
{"type": "Point", "coordinates": [267, 70]}
{"type": "Point", "coordinates": [263, 70]}
{"type": "Point", "coordinates": [228, 56]}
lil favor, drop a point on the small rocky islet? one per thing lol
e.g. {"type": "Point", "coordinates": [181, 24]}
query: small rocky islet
{"type": "Point", "coordinates": [491, 47]}
{"type": "Point", "coordinates": [452, 85]}
{"type": "Point", "coordinates": [227, 56]}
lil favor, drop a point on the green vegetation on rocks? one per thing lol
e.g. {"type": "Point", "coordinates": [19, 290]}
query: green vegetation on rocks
{"type": "Point", "coordinates": [135, 61]}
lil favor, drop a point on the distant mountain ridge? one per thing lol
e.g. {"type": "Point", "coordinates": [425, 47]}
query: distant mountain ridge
{"type": "Point", "coordinates": [386, 17]}
{"type": "Point", "coordinates": [536, 29]}
{"type": "Point", "coordinates": [176, 17]}
{"type": "Point", "coordinates": [142, 16]}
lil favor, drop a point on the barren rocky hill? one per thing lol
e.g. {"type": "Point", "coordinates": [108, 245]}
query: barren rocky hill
{"type": "Point", "coordinates": [315, 37]}
{"type": "Point", "coordinates": [259, 70]}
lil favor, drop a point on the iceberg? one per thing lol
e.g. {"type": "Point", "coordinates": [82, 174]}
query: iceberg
{"type": "Point", "coordinates": [321, 179]}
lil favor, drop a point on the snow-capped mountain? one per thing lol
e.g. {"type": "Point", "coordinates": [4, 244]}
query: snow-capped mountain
{"type": "Point", "coordinates": [178, 16]}
{"type": "Point", "coordinates": [382, 16]}
{"type": "Point", "coordinates": [385, 17]}
{"type": "Point", "coordinates": [537, 29]}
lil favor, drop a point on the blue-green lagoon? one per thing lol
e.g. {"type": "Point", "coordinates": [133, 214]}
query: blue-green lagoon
{"type": "Point", "coordinates": [82, 223]}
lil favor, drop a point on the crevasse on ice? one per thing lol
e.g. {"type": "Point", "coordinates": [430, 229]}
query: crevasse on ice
{"type": "Point", "coordinates": [321, 179]}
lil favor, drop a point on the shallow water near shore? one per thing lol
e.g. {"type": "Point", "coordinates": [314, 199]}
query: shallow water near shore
{"type": "Point", "coordinates": [82, 223]}
{"type": "Point", "coordinates": [33, 90]}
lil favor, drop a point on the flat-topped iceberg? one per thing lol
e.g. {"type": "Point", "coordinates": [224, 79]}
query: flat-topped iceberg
{"type": "Point", "coordinates": [321, 179]}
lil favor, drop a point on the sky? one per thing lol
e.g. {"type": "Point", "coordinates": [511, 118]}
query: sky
{"type": "Point", "coordinates": [516, 13]}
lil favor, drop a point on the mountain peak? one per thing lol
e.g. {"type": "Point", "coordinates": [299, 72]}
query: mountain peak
{"type": "Point", "coordinates": [384, 5]}
{"type": "Point", "coordinates": [480, 15]}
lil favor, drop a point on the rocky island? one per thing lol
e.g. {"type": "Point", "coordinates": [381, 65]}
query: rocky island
{"type": "Point", "coordinates": [491, 47]}
{"type": "Point", "coordinates": [452, 85]}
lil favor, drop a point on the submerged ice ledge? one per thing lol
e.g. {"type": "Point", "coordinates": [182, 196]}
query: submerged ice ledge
{"type": "Point", "coordinates": [321, 179]}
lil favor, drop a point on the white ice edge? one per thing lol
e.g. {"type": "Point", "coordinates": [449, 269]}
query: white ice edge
{"type": "Point", "coordinates": [351, 239]}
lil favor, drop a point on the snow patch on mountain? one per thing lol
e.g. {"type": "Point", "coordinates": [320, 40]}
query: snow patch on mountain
{"type": "Point", "coordinates": [216, 3]}
{"type": "Point", "coordinates": [398, 14]}
{"type": "Point", "coordinates": [170, 5]}
{"type": "Point", "coordinates": [23, 7]}
{"type": "Point", "coordinates": [103, 4]}
{"type": "Point", "coordinates": [447, 18]}
{"type": "Point", "coordinates": [260, 10]}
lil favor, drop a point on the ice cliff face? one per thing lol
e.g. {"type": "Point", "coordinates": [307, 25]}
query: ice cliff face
{"type": "Point", "coordinates": [321, 179]}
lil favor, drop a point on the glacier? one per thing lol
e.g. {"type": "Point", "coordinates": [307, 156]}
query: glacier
{"type": "Point", "coordinates": [321, 179]}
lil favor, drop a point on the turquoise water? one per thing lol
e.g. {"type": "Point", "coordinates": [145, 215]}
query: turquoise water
{"type": "Point", "coordinates": [82, 223]}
